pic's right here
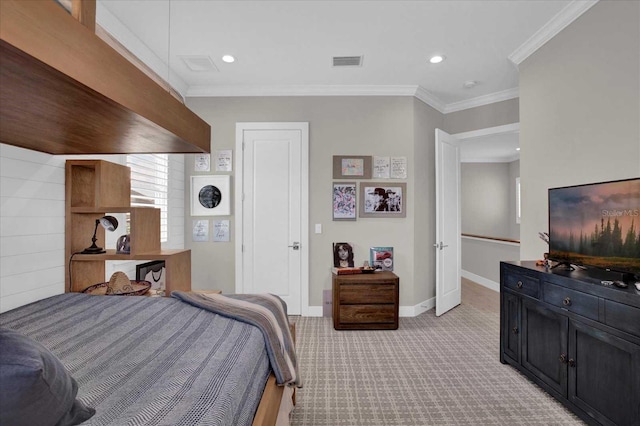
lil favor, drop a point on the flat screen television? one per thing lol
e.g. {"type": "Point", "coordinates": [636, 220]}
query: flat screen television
{"type": "Point", "coordinates": [597, 225]}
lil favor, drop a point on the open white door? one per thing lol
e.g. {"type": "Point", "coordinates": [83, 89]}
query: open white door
{"type": "Point", "coordinates": [448, 260]}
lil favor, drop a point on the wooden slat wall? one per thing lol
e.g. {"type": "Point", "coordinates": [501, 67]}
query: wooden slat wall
{"type": "Point", "coordinates": [31, 226]}
{"type": "Point", "coordinates": [32, 263]}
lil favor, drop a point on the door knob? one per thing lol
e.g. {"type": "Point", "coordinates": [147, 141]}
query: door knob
{"type": "Point", "coordinates": [296, 245]}
{"type": "Point", "coordinates": [440, 245]}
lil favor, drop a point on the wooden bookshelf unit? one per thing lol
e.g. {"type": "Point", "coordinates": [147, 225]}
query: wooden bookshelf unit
{"type": "Point", "coordinates": [95, 188]}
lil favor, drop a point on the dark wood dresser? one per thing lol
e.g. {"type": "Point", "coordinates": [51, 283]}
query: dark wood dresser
{"type": "Point", "coordinates": [575, 337]}
{"type": "Point", "coordinates": [366, 301]}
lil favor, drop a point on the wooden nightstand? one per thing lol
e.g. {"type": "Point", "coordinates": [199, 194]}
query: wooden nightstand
{"type": "Point", "coordinates": [366, 301]}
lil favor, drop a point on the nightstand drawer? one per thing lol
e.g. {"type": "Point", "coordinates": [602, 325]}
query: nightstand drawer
{"type": "Point", "coordinates": [359, 314]}
{"type": "Point", "coordinates": [571, 300]}
{"type": "Point", "coordinates": [367, 293]}
{"type": "Point", "coordinates": [523, 284]}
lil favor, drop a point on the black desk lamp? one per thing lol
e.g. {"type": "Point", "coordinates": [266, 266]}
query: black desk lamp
{"type": "Point", "coordinates": [109, 223]}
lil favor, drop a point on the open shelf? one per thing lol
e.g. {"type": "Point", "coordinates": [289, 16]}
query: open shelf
{"type": "Point", "coordinates": [95, 188]}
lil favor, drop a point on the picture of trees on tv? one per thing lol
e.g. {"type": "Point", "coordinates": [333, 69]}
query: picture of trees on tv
{"type": "Point", "coordinates": [596, 225]}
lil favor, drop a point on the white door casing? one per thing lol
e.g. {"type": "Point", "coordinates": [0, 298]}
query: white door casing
{"type": "Point", "coordinates": [272, 211]}
{"type": "Point", "coordinates": [448, 219]}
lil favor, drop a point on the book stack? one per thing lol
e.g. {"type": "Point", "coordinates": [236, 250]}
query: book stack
{"type": "Point", "coordinates": [346, 271]}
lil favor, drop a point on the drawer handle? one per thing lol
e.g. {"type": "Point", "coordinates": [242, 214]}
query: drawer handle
{"type": "Point", "coordinates": [563, 358]}
{"type": "Point", "coordinates": [519, 284]}
{"type": "Point", "coordinates": [566, 301]}
{"type": "Point", "coordinates": [515, 330]}
{"type": "Point", "coordinates": [572, 362]}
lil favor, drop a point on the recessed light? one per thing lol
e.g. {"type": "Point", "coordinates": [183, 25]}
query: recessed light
{"type": "Point", "coordinates": [228, 59]}
{"type": "Point", "coordinates": [469, 84]}
{"type": "Point", "coordinates": [517, 149]}
{"type": "Point", "coordinates": [436, 59]}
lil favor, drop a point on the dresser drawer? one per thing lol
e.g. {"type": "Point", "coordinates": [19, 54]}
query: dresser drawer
{"type": "Point", "coordinates": [523, 284]}
{"type": "Point", "coordinates": [571, 300]}
{"type": "Point", "coordinates": [623, 317]}
{"type": "Point", "coordinates": [358, 314]}
{"type": "Point", "coordinates": [367, 293]}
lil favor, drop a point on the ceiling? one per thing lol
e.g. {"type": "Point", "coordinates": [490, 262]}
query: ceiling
{"type": "Point", "coordinates": [286, 47]}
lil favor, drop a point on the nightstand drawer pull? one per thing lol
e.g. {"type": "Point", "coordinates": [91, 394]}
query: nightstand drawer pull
{"type": "Point", "coordinates": [515, 330]}
{"type": "Point", "coordinates": [519, 285]}
{"type": "Point", "coordinates": [566, 301]}
{"type": "Point", "coordinates": [563, 358]}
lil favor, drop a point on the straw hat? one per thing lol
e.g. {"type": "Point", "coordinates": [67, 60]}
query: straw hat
{"type": "Point", "coordinates": [119, 285]}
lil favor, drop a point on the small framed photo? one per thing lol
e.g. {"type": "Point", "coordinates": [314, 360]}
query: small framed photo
{"type": "Point", "coordinates": [381, 258]}
{"type": "Point", "coordinates": [344, 201]}
{"type": "Point", "coordinates": [351, 167]}
{"type": "Point", "coordinates": [383, 199]}
{"type": "Point", "coordinates": [210, 195]}
{"type": "Point", "coordinates": [154, 272]}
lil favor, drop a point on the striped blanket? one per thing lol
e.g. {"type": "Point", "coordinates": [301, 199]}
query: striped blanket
{"type": "Point", "coordinates": [265, 311]}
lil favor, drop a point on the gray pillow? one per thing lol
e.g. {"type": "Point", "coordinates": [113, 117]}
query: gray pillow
{"type": "Point", "coordinates": [35, 388]}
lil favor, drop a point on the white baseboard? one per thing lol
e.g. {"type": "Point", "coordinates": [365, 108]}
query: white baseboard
{"type": "Point", "coordinates": [481, 280]}
{"type": "Point", "coordinates": [414, 311]}
{"type": "Point", "coordinates": [313, 311]}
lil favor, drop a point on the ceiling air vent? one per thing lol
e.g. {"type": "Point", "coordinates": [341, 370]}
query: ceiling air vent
{"type": "Point", "coordinates": [347, 61]}
{"type": "Point", "coordinates": [199, 63]}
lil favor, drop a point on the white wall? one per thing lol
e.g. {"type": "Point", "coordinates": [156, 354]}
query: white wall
{"type": "Point", "coordinates": [580, 111]}
{"type": "Point", "coordinates": [486, 200]}
{"type": "Point", "coordinates": [481, 259]}
{"type": "Point", "coordinates": [32, 233]}
{"type": "Point", "coordinates": [31, 226]}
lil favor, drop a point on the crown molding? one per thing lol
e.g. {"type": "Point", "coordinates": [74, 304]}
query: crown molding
{"type": "Point", "coordinates": [317, 90]}
{"type": "Point", "coordinates": [556, 24]}
{"type": "Point", "coordinates": [430, 99]}
{"type": "Point", "coordinates": [482, 100]}
{"type": "Point", "coordinates": [343, 90]}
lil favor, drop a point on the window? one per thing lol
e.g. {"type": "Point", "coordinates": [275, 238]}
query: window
{"type": "Point", "coordinates": [149, 185]}
{"type": "Point", "coordinates": [518, 200]}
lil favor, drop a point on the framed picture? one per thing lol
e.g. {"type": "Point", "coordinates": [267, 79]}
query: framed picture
{"type": "Point", "coordinates": [351, 167]}
{"type": "Point", "coordinates": [154, 272]}
{"type": "Point", "coordinates": [210, 195]}
{"type": "Point", "coordinates": [383, 199]}
{"type": "Point", "coordinates": [381, 258]}
{"type": "Point", "coordinates": [344, 201]}
{"type": "Point", "coordinates": [342, 255]}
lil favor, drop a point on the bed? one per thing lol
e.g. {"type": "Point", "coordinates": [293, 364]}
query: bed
{"type": "Point", "coordinates": [155, 361]}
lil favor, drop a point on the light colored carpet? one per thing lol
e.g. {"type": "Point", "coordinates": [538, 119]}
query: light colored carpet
{"type": "Point", "coordinates": [431, 371]}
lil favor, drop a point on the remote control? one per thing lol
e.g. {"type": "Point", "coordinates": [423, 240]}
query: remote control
{"type": "Point", "coordinates": [620, 284]}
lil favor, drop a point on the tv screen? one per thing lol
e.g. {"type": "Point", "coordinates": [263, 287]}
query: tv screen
{"type": "Point", "coordinates": [596, 225]}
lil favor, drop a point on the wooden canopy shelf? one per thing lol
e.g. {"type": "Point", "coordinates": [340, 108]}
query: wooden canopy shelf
{"type": "Point", "coordinates": [63, 90]}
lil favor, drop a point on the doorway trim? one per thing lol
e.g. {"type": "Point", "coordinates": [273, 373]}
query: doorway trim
{"type": "Point", "coordinates": [303, 127]}
{"type": "Point", "coordinates": [497, 130]}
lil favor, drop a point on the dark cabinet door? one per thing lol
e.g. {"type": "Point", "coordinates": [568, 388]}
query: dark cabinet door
{"type": "Point", "coordinates": [511, 326]}
{"type": "Point", "coordinates": [544, 345]}
{"type": "Point", "coordinates": [604, 375]}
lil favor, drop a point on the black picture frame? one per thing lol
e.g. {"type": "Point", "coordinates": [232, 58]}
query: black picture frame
{"type": "Point", "coordinates": [144, 268]}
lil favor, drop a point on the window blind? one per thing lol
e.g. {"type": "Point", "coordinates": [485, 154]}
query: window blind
{"type": "Point", "coordinates": [149, 185]}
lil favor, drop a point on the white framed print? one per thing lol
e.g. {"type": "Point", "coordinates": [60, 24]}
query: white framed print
{"type": "Point", "coordinates": [210, 195]}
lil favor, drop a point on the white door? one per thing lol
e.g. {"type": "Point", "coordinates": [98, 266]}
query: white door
{"type": "Point", "coordinates": [448, 263]}
{"type": "Point", "coordinates": [272, 211]}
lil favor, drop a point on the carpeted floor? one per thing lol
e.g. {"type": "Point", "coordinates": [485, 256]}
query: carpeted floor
{"type": "Point", "coordinates": [431, 371]}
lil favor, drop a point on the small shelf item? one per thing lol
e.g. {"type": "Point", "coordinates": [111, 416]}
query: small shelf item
{"type": "Point", "coordinates": [109, 223]}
